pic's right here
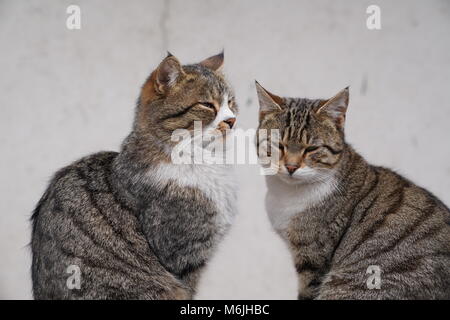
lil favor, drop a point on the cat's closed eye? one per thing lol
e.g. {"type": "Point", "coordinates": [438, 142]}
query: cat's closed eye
{"type": "Point", "coordinates": [208, 105]}
{"type": "Point", "coordinates": [311, 148]}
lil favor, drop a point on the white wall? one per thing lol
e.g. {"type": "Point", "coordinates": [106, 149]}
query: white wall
{"type": "Point", "coordinates": [65, 94]}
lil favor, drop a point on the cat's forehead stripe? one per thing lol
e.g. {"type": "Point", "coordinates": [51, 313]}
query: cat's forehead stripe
{"type": "Point", "coordinates": [216, 83]}
{"type": "Point", "coordinates": [297, 117]}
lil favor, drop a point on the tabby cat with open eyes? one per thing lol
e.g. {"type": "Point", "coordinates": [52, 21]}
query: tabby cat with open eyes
{"type": "Point", "coordinates": [340, 215]}
{"type": "Point", "coordinates": [137, 225]}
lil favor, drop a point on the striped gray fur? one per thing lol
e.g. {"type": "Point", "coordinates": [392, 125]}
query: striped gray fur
{"type": "Point", "coordinates": [368, 216]}
{"type": "Point", "coordinates": [134, 230]}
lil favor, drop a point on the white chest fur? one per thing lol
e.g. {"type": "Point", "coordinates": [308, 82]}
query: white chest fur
{"type": "Point", "coordinates": [216, 182]}
{"type": "Point", "coordinates": [284, 201]}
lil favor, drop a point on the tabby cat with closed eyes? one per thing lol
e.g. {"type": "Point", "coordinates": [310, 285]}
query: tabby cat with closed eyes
{"type": "Point", "coordinates": [135, 224]}
{"type": "Point", "coordinates": [340, 215]}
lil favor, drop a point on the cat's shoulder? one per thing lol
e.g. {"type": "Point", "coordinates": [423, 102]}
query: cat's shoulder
{"type": "Point", "coordinates": [69, 186]}
{"type": "Point", "coordinates": [88, 173]}
{"type": "Point", "coordinates": [389, 180]}
{"type": "Point", "coordinates": [86, 168]}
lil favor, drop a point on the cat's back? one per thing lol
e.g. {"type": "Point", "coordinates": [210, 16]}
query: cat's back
{"type": "Point", "coordinates": [402, 213]}
{"type": "Point", "coordinates": [83, 225]}
{"type": "Point", "coordinates": [404, 231]}
{"type": "Point", "coordinates": [70, 186]}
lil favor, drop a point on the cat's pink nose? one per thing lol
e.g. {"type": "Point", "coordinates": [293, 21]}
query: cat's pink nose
{"type": "Point", "coordinates": [291, 168]}
{"type": "Point", "coordinates": [230, 122]}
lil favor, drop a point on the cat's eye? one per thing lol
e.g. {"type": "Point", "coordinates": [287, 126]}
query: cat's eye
{"type": "Point", "coordinates": [311, 149]}
{"type": "Point", "coordinates": [281, 147]}
{"type": "Point", "coordinates": [208, 105]}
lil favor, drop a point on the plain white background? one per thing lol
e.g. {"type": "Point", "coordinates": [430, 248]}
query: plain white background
{"type": "Point", "coordinates": [67, 93]}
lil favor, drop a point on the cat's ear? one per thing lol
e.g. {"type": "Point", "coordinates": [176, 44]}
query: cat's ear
{"type": "Point", "coordinates": [268, 102]}
{"type": "Point", "coordinates": [161, 79]}
{"type": "Point", "coordinates": [214, 63]}
{"type": "Point", "coordinates": [336, 107]}
{"type": "Point", "coordinates": [167, 73]}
